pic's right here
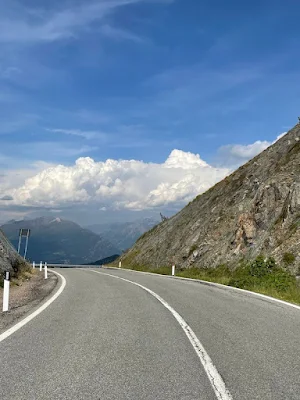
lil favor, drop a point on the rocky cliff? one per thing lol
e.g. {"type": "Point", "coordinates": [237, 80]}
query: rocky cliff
{"type": "Point", "coordinates": [9, 258]}
{"type": "Point", "coordinates": [255, 210]}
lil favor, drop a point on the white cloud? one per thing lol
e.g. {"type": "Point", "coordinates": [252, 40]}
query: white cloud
{"type": "Point", "coordinates": [246, 152]}
{"type": "Point", "coordinates": [120, 184]}
{"type": "Point", "coordinates": [13, 178]}
{"type": "Point", "coordinates": [234, 155]}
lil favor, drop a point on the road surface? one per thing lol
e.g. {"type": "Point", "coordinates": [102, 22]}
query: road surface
{"type": "Point", "coordinates": [106, 338]}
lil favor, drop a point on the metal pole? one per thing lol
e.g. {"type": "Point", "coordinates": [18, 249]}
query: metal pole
{"type": "Point", "coordinates": [26, 246]}
{"type": "Point", "coordinates": [19, 244]}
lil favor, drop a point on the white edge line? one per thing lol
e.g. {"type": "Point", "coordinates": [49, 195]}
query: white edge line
{"type": "Point", "coordinates": [217, 383]}
{"type": "Point", "coordinates": [209, 283]}
{"type": "Point", "coordinates": [27, 319]}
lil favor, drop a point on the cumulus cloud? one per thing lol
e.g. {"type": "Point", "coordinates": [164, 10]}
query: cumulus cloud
{"type": "Point", "coordinates": [120, 184]}
{"type": "Point", "coordinates": [234, 155]}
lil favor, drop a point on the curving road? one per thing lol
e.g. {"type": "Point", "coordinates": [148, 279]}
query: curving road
{"type": "Point", "coordinates": [107, 338]}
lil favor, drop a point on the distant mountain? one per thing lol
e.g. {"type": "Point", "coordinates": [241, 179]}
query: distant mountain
{"type": "Point", "coordinates": [124, 234]}
{"type": "Point", "coordinates": [56, 240]}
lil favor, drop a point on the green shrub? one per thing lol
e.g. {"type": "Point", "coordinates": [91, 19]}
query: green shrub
{"type": "Point", "coordinates": [193, 248]}
{"type": "Point", "coordinates": [288, 258]}
{"type": "Point", "coordinates": [19, 266]}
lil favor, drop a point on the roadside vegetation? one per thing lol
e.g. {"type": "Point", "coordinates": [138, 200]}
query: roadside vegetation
{"type": "Point", "coordinates": [21, 271]}
{"type": "Point", "coordinates": [261, 275]}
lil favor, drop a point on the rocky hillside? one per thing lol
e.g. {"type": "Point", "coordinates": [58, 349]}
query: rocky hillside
{"type": "Point", "coordinates": [254, 210]}
{"type": "Point", "coordinates": [60, 241]}
{"type": "Point", "coordinates": [9, 258]}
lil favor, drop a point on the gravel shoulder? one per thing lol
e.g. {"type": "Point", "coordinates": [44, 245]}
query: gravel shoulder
{"type": "Point", "coordinates": [26, 297]}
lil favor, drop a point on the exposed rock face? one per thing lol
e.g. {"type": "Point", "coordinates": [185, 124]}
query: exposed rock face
{"type": "Point", "coordinates": [8, 255]}
{"type": "Point", "coordinates": [255, 210]}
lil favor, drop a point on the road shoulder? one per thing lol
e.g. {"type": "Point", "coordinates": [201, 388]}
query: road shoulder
{"type": "Point", "coordinates": [26, 297]}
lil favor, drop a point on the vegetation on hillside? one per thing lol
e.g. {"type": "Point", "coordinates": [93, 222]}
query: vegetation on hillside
{"type": "Point", "coordinates": [262, 275]}
{"type": "Point", "coordinates": [20, 270]}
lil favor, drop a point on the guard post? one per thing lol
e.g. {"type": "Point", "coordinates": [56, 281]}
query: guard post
{"type": "Point", "coordinates": [6, 291]}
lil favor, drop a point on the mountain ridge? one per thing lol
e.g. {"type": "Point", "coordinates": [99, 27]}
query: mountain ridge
{"type": "Point", "coordinates": [124, 234]}
{"type": "Point", "coordinates": [57, 240]}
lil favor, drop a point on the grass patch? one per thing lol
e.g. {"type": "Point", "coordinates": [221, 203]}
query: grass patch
{"type": "Point", "coordinates": [260, 276]}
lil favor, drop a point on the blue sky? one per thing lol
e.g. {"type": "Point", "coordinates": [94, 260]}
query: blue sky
{"type": "Point", "coordinates": [135, 79]}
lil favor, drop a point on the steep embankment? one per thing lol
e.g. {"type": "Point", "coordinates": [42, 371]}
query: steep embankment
{"type": "Point", "coordinates": [9, 258]}
{"type": "Point", "coordinates": [254, 210]}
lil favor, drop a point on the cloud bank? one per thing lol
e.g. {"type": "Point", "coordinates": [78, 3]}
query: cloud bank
{"type": "Point", "coordinates": [120, 184]}
{"type": "Point", "coordinates": [124, 185]}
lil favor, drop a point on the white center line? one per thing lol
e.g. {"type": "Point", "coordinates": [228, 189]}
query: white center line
{"type": "Point", "coordinates": [217, 383]}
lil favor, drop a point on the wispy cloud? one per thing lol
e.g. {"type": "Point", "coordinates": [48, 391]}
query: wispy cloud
{"type": "Point", "coordinates": [40, 26]}
{"type": "Point", "coordinates": [121, 34]}
{"type": "Point", "coordinates": [80, 133]}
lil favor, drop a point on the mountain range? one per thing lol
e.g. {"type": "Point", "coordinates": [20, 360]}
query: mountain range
{"type": "Point", "coordinates": [124, 234]}
{"type": "Point", "coordinates": [255, 210]}
{"type": "Point", "coordinates": [56, 240]}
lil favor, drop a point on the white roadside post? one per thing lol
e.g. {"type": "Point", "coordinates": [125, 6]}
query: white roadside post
{"type": "Point", "coordinates": [33, 264]}
{"type": "Point", "coordinates": [41, 265]}
{"type": "Point", "coordinates": [173, 270]}
{"type": "Point", "coordinates": [120, 264]}
{"type": "Point", "coordinates": [46, 271]}
{"type": "Point", "coordinates": [6, 291]}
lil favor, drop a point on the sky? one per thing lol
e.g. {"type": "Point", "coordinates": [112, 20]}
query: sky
{"type": "Point", "coordinates": [119, 109]}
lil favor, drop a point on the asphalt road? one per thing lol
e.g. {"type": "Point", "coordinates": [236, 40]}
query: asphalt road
{"type": "Point", "coordinates": [105, 338]}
